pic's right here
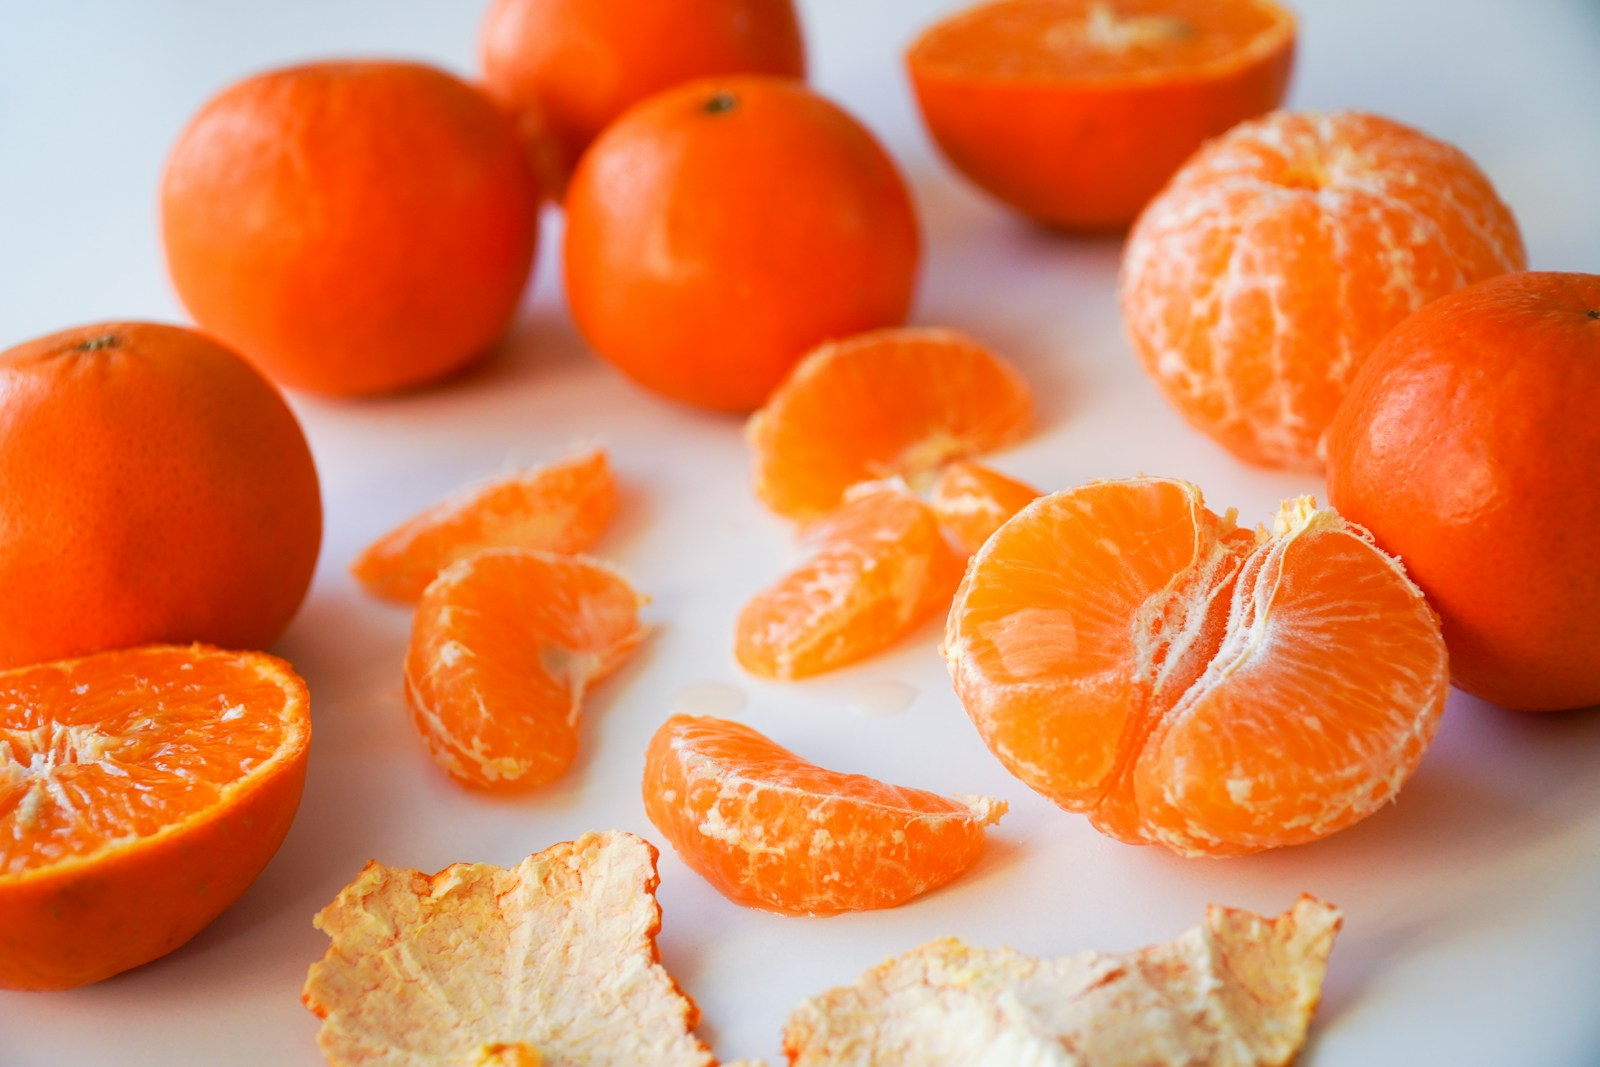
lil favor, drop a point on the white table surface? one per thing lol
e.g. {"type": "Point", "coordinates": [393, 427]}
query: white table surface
{"type": "Point", "coordinates": [1472, 925]}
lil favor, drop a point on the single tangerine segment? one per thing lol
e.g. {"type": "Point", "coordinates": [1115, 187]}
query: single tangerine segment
{"type": "Point", "coordinates": [1258, 282]}
{"type": "Point", "coordinates": [972, 501]}
{"type": "Point", "coordinates": [504, 646]}
{"type": "Point", "coordinates": [551, 962]}
{"type": "Point", "coordinates": [895, 402]}
{"type": "Point", "coordinates": [563, 507]}
{"type": "Point", "coordinates": [770, 830]}
{"type": "Point", "coordinates": [875, 570]}
{"type": "Point", "coordinates": [1075, 112]}
{"type": "Point", "coordinates": [141, 793]}
{"type": "Point", "coordinates": [1130, 654]}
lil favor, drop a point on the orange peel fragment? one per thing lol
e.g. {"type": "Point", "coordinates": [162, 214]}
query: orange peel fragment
{"type": "Point", "coordinates": [552, 963]}
{"type": "Point", "coordinates": [1237, 991]}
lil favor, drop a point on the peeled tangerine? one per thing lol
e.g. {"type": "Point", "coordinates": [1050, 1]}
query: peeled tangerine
{"type": "Point", "coordinates": [1238, 991]}
{"type": "Point", "coordinates": [552, 962]}
{"type": "Point", "coordinates": [1130, 654]}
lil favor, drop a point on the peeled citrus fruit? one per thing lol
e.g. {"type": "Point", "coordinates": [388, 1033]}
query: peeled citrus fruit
{"type": "Point", "coordinates": [1132, 655]}
{"type": "Point", "coordinates": [971, 502]}
{"type": "Point", "coordinates": [504, 646]}
{"type": "Point", "coordinates": [1075, 112]}
{"type": "Point", "coordinates": [768, 829]}
{"type": "Point", "coordinates": [563, 507]}
{"type": "Point", "coordinates": [875, 570]}
{"type": "Point", "coordinates": [1258, 281]}
{"type": "Point", "coordinates": [141, 793]}
{"type": "Point", "coordinates": [1468, 447]}
{"type": "Point", "coordinates": [893, 402]}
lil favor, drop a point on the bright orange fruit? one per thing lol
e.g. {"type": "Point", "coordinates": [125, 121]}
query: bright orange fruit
{"type": "Point", "coordinates": [1257, 283]}
{"type": "Point", "coordinates": [1075, 112]}
{"type": "Point", "coordinates": [875, 569]}
{"type": "Point", "coordinates": [719, 230]}
{"type": "Point", "coordinates": [894, 402]}
{"type": "Point", "coordinates": [1468, 446]}
{"type": "Point", "coordinates": [971, 502]}
{"type": "Point", "coordinates": [770, 830]}
{"type": "Point", "coordinates": [1130, 654]}
{"type": "Point", "coordinates": [141, 793]}
{"type": "Point", "coordinates": [562, 507]}
{"type": "Point", "coordinates": [504, 645]}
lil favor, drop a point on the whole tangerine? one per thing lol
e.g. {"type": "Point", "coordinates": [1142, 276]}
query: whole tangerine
{"type": "Point", "coordinates": [155, 487]}
{"type": "Point", "coordinates": [351, 227]}
{"type": "Point", "coordinates": [567, 68]}
{"type": "Point", "coordinates": [1468, 448]}
{"type": "Point", "coordinates": [720, 230]}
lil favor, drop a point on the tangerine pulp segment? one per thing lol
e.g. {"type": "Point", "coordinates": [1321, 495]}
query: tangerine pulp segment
{"type": "Point", "coordinates": [770, 830]}
{"type": "Point", "coordinates": [1076, 112]}
{"type": "Point", "coordinates": [551, 962]}
{"type": "Point", "coordinates": [1130, 654]}
{"type": "Point", "coordinates": [971, 502]}
{"type": "Point", "coordinates": [141, 792]}
{"type": "Point", "coordinates": [875, 570]}
{"type": "Point", "coordinates": [1260, 279]}
{"type": "Point", "coordinates": [504, 646]}
{"type": "Point", "coordinates": [892, 402]}
{"type": "Point", "coordinates": [562, 507]}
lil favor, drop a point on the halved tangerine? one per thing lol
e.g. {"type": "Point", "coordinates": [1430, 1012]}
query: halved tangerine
{"type": "Point", "coordinates": [875, 569]}
{"type": "Point", "coordinates": [898, 402]}
{"type": "Point", "coordinates": [504, 646]}
{"type": "Point", "coordinates": [1130, 654]}
{"type": "Point", "coordinates": [771, 830]}
{"type": "Point", "coordinates": [562, 507]}
{"type": "Point", "coordinates": [141, 793]}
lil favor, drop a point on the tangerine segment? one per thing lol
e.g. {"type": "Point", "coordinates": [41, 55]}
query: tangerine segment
{"type": "Point", "coordinates": [1257, 283]}
{"type": "Point", "coordinates": [563, 507]}
{"type": "Point", "coordinates": [1075, 112]}
{"type": "Point", "coordinates": [875, 570]}
{"type": "Point", "coordinates": [1238, 991]}
{"type": "Point", "coordinates": [551, 962]}
{"type": "Point", "coordinates": [141, 792]}
{"type": "Point", "coordinates": [1132, 655]}
{"type": "Point", "coordinates": [972, 502]}
{"type": "Point", "coordinates": [897, 402]}
{"type": "Point", "coordinates": [504, 646]}
{"type": "Point", "coordinates": [770, 830]}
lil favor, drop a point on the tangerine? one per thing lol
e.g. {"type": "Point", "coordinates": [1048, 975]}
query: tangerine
{"type": "Point", "coordinates": [155, 487]}
{"type": "Point", "coordinates": [971, 502]}
{"type": "Point", "coordinates": [1467, 448]}
{"type": "Point", "coordinates": [1076, 112]}
{"type": "Point", "coordinates": [721, 229]}
{"type": "Point", "coordinates": [1260, 279]}
{"type": "Point", "coordinates": [352, 227]}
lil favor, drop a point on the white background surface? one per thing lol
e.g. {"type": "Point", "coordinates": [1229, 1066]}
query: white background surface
{"type": "Point", "coordinates": [1472, 930]}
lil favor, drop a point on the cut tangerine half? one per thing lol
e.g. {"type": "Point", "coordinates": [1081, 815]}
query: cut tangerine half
{"type": "Point", "coordinates": [141, 793]}
{"type": "Point", "coordinates": [563, 507]}
{"type": "Point", "coordinates": [972, 501]}
{"type": "Point", "coordinates": [876, 568]}
{"type": "Point", "coordinates": [1130, 654]}
{"type": "Point", "coordinates": [770, 830]}
{"type": "Point", "coordinates": [887, 403]}
{"type": "Point", "coordinates": [1075, 112]}
{"type": "Point", "coordinates": [504, 646]}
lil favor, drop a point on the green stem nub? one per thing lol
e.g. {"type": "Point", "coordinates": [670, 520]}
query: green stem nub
{"type": "Point", "coordinates": [721, 103]}
{"type": "Point", "coordinates": [95, 344]}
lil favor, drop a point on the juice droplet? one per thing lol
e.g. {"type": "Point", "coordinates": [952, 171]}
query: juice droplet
{"type": "Point", "coordinates": [880, 699]}
{"type": "Point", "coordinates": [708, 698]}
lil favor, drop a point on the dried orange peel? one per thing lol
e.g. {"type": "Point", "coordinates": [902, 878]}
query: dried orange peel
{"type": "Point", "coordinates": [1237, 991]}
{"type": "Point", "coordinates": [550, 963]}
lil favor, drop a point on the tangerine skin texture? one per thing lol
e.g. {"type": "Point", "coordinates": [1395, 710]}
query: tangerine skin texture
{"type": "Point", "coordinates": [567, 68]}
{"type": "Point", "coordinates": [720, 230]}
{"type": "Point", "coordinates": [1087, 149]}
{"type": "Point", "coordinates": [1469, 448]}
{"type": "Point", "coordinates": [155, 487]}
{"type": "Point", "coordinates": [353, 228]}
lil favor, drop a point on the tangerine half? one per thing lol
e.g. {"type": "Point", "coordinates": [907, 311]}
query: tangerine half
{"type": "Point", "coordinates": [1130, 654]}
